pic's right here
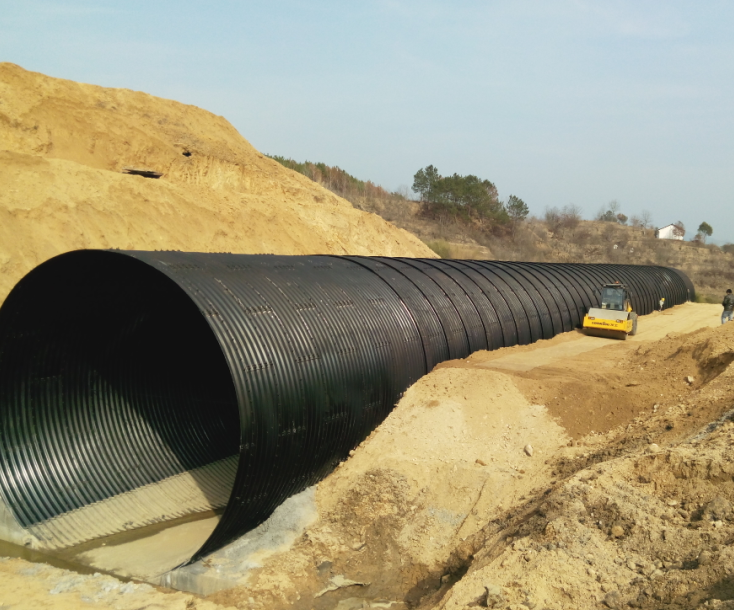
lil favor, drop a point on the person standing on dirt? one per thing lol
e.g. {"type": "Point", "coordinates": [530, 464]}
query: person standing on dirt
{"type": "Point", "coordinates": [662, 303]}
{"type": "Point", "coordinates": [728, 304]}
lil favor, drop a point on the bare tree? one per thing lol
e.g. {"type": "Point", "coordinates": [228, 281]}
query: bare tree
{"type": "Point", "coordinates": [570, 216]}
{"type": "Point", "coordinates": [604, 215]}
{"type": "Point", "coordinates": [646, 218]}
{"type": "Point", "coordinates": [609, 212]}
{"type": "Point", "coordinates": [403, 191]}
{"type": "Point", "coordinates": [679, 229]}
{"type": "Point", "coordinates": [552, 219]}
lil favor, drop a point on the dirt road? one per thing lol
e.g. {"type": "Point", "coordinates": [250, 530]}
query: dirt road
{"type": "Point", "coordinates": [682, 319]}
{"type": "Point", "coordinates": [592, 384]}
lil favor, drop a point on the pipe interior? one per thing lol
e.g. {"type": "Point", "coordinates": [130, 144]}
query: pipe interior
{"type": "Point", "coordinates": [111, 381]}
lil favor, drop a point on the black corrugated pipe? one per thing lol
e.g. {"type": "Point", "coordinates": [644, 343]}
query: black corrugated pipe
{"type": "Point", "coordinates": [248, 377]}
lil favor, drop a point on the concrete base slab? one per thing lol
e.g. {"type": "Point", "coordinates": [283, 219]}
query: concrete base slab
{"type": "Point", "coordinates": [231, 566]}
{"type": "Point", "coordinates": [11, 531]}
{"type": "Point", "coordinates": [152, 554]}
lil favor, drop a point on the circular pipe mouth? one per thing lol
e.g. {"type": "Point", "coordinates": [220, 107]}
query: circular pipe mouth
{"type": "Point", "coordinates": [118, 407]}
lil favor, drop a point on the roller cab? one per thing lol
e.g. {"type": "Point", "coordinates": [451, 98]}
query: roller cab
{"type": "Point", "coordinates": [615, 318]}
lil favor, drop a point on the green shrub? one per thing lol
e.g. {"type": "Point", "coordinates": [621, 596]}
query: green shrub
{"type": "Point", "coordinates": [707, 298]}
{"type": "Point", "coordinates": [440, 247]}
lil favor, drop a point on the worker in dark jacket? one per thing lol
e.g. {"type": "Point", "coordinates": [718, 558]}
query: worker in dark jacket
{"type": "Point", "coordinates": [728, 304]}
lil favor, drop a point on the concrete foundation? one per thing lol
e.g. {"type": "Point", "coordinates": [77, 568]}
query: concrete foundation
{"type": "Point", "coordinates": [154, 554]}
{"type": "Point", "coordinates": [11, 531]}
{"type": "Point", "coordinates": [231, 566]}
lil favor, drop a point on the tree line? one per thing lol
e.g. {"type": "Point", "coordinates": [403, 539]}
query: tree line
{"type": "Point", "coordinates": [612, 213]}
{"type": "Point", "coordinates": [335, 179]}
{"type": "Point", "coordinates": [457, 198]}
{"type": "Point", "coordinates": [466, 198]}
{"type": "Point", "coordinates": [471, 199]}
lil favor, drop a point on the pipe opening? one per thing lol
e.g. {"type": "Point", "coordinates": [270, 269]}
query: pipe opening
{"type": "Point", "coordinates": [119, 410]}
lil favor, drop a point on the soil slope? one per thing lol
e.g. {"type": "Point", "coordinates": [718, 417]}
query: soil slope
{"type": "Point", "coordinates": [63, 146]}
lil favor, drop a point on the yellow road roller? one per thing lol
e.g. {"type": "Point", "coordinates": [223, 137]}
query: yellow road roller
{"type": "Point", "coordinates": [615, 318]}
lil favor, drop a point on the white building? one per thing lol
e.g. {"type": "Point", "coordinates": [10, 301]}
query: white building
{"type": "Point", "coordinates": [667, 232]}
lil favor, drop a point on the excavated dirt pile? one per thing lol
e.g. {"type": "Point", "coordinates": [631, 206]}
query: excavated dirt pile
{"type": "Point", "coordinates": [64, 146]}
{"type": "Point", "coordinates": [649, 530]}
{"type": "Point", "coordinates": [472, 493]}
{"type": "Point", "coordinates": [394, 514]}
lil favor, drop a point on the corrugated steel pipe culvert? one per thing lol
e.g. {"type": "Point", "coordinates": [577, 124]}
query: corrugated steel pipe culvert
{"type": "Point", "coordinates": [234, 381]}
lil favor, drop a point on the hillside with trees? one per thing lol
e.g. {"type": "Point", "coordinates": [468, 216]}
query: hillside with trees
{"type": "Point", "coordinates": [463, 217]}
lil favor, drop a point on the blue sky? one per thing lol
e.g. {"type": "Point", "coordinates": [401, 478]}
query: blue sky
{"type": "Point", "coordinates": [555, 101]}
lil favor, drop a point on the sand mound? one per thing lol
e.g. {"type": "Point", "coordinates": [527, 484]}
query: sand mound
{"type": "Point", "coordinates": [640, 516]}
{"type": "Point", "coordinates": [63, 146]}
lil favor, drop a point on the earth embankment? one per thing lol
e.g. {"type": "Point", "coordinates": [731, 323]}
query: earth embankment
{"type": "Point", "coordinates": [64, 146]}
